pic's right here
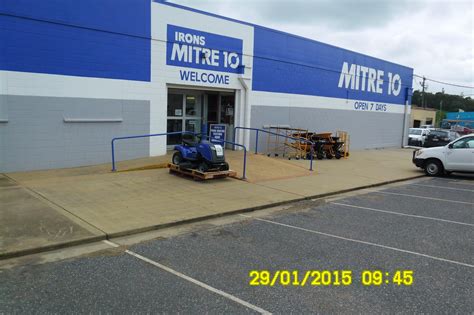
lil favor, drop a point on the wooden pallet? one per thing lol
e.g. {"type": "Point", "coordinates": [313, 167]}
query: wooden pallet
{"type": "Point", "coordinates": [197, 175]}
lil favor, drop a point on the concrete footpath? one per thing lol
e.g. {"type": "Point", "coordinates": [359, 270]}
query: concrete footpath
{"type": "Point", "coordinates": [44, 210]}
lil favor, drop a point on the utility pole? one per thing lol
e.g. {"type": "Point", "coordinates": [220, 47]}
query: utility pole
{"type": "Point", "coordinates": [423, 93]}
{"type": "Point", "coordinates": [440, 111]}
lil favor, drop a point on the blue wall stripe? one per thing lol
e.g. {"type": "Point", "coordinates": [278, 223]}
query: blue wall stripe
{"type": "Point", "coordinates": [287, 64]}
{"type": "Point", "coordinates": [105, 39]}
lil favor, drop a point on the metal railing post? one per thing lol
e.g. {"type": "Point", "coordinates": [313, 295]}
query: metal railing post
{"type": "Point", "coordinates": [233, 138]}
{"type": "Point", "coordinates": [245, 164]}
{"type": "Point", "coordinates": [256, 143]}
{"type": "Point", "coordinates": [113, 156]}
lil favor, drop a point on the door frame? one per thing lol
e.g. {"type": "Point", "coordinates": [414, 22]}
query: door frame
{"type": "Point", "coordinates": [202, 94]}
{"type": "Point", "coordinates": [184, 117]}
{"type": "Point", "coordinates": [230, 131]}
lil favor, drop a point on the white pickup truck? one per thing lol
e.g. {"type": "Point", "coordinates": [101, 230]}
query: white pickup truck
{"type": "Point", "coordinates": [456, 156]}
{"type": "Point", "coordinates": [417, 136]}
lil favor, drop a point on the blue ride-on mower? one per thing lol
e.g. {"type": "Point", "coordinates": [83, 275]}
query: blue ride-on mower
{"type": "Point", "coordinates": [202, 155]}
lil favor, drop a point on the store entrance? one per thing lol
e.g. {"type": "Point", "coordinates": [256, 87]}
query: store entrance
{"type": "Point", "coordinates": [189, 109]}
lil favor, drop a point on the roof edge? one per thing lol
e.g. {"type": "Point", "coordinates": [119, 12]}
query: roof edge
{"type": "Point", "coordinates": [179, 6]}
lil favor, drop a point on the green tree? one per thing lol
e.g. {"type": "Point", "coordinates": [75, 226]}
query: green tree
{"type": "Point", "coordinates": [451, 103]}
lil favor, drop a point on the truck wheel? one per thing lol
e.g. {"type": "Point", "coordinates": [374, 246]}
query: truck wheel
{"type": "Point", "coordinates": [433, 168]}
{"type": "Point", "coordinates": [177, 158]}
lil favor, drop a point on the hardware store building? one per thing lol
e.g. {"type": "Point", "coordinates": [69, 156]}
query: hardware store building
{"type": "Point", "coordinates": [75, 74]}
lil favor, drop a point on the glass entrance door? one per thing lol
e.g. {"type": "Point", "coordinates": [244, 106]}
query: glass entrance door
{"type": "Point", "coordinates": [188, 109]}
{"type": "Point", "coordinates": [193, 108]}
{"type": "Point", "coordinates": [227, 113]}
{"type": "Point", "coordinates": [184, 114]}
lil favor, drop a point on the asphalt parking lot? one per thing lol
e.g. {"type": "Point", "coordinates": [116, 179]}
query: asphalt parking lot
{"type": "Point", "coordinates": [425, 226]}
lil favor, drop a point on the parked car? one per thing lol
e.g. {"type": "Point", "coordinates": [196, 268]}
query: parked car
{"type": "Point", "coordinates": [463, 130]}
{"type": "Point", "coordinates": [455, 135]}
{"type": "Point", "coordinates": [417, 136]}
{"type": "Point", "coordinates": [437, 138]}
{"type": "Point", "coordinates": [457, 156]}
{"type": "Point", "coordinates": [426, 126]}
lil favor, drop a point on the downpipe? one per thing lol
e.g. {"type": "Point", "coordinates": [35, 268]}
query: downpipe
{"type": "Point", "coordinates": [246, 134]}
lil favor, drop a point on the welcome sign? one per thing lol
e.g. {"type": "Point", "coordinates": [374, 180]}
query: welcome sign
{"type": "Point", "coordinates": [191, 48]}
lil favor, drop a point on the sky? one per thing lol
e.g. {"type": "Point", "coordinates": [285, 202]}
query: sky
{"type": "Point", "coordinates": [434, 37]}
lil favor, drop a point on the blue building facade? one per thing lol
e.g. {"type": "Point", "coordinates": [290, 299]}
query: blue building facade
{"type": "Point", "coordinates": [74, 74]}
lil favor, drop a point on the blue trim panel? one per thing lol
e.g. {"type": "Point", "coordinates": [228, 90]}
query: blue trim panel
{"type": "Point", "coordinates": [288, 64]}
{"type": "Point", "coordinates": [89, 38]}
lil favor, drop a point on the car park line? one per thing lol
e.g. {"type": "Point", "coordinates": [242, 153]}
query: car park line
{"type": "Point", "coordinates": [422, 197]}
{"type": "Point", "coordinates": [192, 280]}
{"type": "Point", "coordinates": [401, 214]}
{"type": "Point", "coordinates": [442, 187]}
{"type": "Point", "coordinates": [462, 182]}
{"type": "Point", "coordinates": [454, 181]}
{"type": "Point", "coordinates": [360, 241]}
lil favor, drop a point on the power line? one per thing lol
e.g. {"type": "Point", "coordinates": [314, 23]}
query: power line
{"type": "Point", "coordinates": [243, 54]}
{"type": "Point", "coordinates": [338, 71]}
{"type": "Point", "coordinates": [445, 83]}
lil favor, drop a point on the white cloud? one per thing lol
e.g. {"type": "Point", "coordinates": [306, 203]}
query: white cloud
{"type": "Point", "coordinates": [433, 37]}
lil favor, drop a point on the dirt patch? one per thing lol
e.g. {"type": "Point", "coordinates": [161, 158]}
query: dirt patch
{"type": "Point", "coordinates": [304, 205]}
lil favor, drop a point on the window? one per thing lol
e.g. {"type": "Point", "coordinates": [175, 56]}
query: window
{"type": "Point", "coordinates": [192, 106]}
{"type": "Point", "coordinates": [415, 131]}
{"type": "Point", "coordinates": [466, 143]}
{"type": "Point", "coordinates": [175, 105]}
{"type": "Point", "coordinates": [470, 143]}
{"type": "Point", "coordinates": [437, 133]}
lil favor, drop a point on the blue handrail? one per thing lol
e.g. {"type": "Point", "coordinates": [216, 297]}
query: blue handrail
{"type": "Point", "coordinates": [174, 133]}
{"type": "Point", "coordinates": [143, 136]}
{"type": "Point", "coordinates": [239, 145]}
{"type": "Point", "coordinates": [280, 135]}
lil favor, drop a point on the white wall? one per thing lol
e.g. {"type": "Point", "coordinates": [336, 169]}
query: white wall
{"type": "Point", "coordinates": [162, 74]}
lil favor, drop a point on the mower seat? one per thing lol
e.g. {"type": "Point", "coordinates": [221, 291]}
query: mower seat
{"type": "Point", "coordinates": [189, 143]}
{"type": "Point", "coordinates": [189, 140]}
